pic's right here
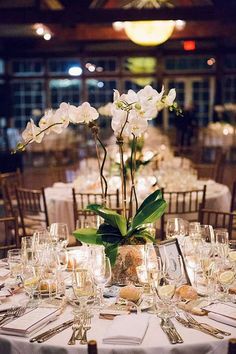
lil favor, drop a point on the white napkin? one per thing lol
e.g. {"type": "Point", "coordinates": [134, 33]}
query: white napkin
{"type": "Point", "coordinates": [127, 329]}
{"type": "Point", "coordinates": [30, 322]}
{"type": "Point", "coordinates": [4, 273]}
{"type": "Point", "coordinates": [223, 319]}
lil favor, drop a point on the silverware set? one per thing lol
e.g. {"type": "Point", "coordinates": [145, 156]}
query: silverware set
{"type": "Point", "coordinates": [171, 332]}
{"type": "Point", "coordinates": [52, 332]}
{"type": "Point", "coordinates": [80, 329]}
{"type": "Point", "coordinates": [11, 314]}
{"type": "Point", "coordinates": [190, 322]}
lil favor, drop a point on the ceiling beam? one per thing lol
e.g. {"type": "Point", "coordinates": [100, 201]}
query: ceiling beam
{"type": "Point", "coordinates": [95, 32]}
{"type": "Point", "coordinates": [74, 15]}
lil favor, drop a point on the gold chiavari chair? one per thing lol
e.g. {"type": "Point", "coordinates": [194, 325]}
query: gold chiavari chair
{"type": "Point", "coordinates": [183, 204]}
{"type": "Point", "coordinates": [9, 182]}
{"type": "Point", "coordinates": [9, 235]}
{"type": "Point", "coordinates": [218, 219]}
{"type": "Point", "coordinates": [81, 200]}
{"type": "Point", "coordinates": [32, 209]}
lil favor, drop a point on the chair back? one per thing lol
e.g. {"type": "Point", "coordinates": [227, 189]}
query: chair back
{"type": "Point", "coordinates": [32, 209]}
{"type": "Point", "coordinates": [184, 204]}
{"type": "Point", "coordinates": [218, 219]}
{"type": "Point", "coordinates": [81, 200]}
{"type": "Point", "coordinates": [9, 235]}
{"type": "Point", "coordinates": [9, 182]}
{"type": "Point", "coordinates": [233, 199]}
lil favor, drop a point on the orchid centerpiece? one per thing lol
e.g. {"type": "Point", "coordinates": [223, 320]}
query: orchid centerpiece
{"type": "Point", "coordinates": [130, 115]}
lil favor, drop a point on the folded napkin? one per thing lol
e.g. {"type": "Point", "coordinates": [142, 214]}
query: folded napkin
{"type": "Point", "coordinates": [30, 322]}
{"type": "Point", "coordinates": [4, 273]}
{"type": "Point", "coordinates": [127, 329]}
{"type": "Point", "coordinates": [223, 319]}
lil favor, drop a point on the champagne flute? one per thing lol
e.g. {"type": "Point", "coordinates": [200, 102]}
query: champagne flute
{"type": "Point", "coordinates": [60, 234]}
{"type": "Point", "coordinates": [222, 242]}
{"type": "Point", "coordinates": [101, 271]}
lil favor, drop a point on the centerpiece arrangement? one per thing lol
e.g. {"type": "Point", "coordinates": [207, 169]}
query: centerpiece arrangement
{"type": "Point", "coordinates": [130, 115]}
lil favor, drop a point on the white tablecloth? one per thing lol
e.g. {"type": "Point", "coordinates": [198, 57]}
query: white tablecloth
{"type": "Point", "coordinates": [60, 204]}
{"type": "Point", "coordinates": [155, 341]}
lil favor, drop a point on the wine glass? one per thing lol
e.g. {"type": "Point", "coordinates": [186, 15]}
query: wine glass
{"type": "Point", "coordinates": [82, 287]}
{"type": "Point", "coordinates": [226, 279]}
{"type": "Point", "coordinates": [30, 283]}
{"type": "Point", "coordinates": [175, 227]}
{"type": "Point", "coordinates": [28, 249]}
{"type": "Point", "coordinates": [60, 234]}
{"type": "Point", "coordinates": [174, 269]}
{"type": "Point", "coordinates": [62, 255]}
{"type": "Point", "coordinates": [191, 256]}
{"type": "Point", "coordinates": [101, 272]}
{"type": "Point", "coordinates": [194, 229]}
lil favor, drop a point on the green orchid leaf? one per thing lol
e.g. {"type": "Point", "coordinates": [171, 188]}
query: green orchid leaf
{"type": "Point", "coordinates": [151, 198]}
{"type": "Point", "coordinates": [149, 213]}
{"type": "Point", "coordinates": [88, 235]}
{"type": "Point", "coordinates": [110, 216]}
{"type": "Point", "coordinates": [111, 252]}
{"type": "Point", "coordinates": [109, 233]}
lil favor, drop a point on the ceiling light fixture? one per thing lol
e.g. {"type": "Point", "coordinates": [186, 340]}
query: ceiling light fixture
{"type": "Point", "coordinates": [149, 33]}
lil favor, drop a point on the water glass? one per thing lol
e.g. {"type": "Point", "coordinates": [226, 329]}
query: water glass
{"type": "Point", "coordinates": [175, 227]}
{"type": "Point", "coordinates": [14, 259]}
{"type": "Point", "coordinates": [82, 287]}
{"type": "Point", "coordinates": [222, 243]}
{"type": "Point", "coordinates": [101, 272]}
{"type": "Point", "coordinates": [30, 283]}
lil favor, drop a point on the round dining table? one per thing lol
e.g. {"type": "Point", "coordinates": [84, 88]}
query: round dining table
{"type": "Point", "coordinates": [154, 341]}
{"type": "Point", "coordinates": [60, 203]}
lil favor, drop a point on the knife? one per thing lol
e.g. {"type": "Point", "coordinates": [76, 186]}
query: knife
{"type": "Point", "coordinates": [167, 331]}
{"type": "Point", "coordinates": [174, 330]}
{"type": "Point", "coordinates": [52, 331]}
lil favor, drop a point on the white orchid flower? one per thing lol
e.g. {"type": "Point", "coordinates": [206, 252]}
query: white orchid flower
{"type": "Point", "coordinates": [86, 113]}
{"type": "Point", "coordinates": [46, 121]}
{"type": "Point", "coordinates": [30, 133]}
{"type": "Point", "coordinates": [169, 100]}
{"type": "Point", "coordinates": [136, 125]}
{"type": "Point", "coordinates": [118, 120]}
{"type": "Point", "coordinates": [65, 114]}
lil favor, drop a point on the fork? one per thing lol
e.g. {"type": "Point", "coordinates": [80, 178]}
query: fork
{"type": "Point", "coordinates": [72, 339]}
{"type": "Point", "coordinates": [10, 312]}
{"type": "Point", "coordinates": [86, 327]}
{"type": "Point", "coordinates": [16, 313]}
{"type": "Point", "coordinates": [206, 325]}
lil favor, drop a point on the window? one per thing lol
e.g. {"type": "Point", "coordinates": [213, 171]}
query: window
{"type": "Point", "coordinates": [65, 90]}
{"type": "Point", "coordinates": [100, 65]}
{"type": "Point", "coordinates": [27, 67]}
{"type": "Point", "coordinates": [230, 62]}
{"type": "Point", "coordinates": [188, 64]}
{"type": "Point", "coordinates": [229, 89]}
{"type": "Point", "coordinates": [140, 65]}
{"type": "Point", "coordinates": [27, 96]}
{"type": "Point", "coordinates": [138, 83]}
{"type": "Point", "coordinates": [100, 92]}
{"type": "Point", "coordinates": [65, 66]}
{"type": "Point", "coordinates": [1, 66]}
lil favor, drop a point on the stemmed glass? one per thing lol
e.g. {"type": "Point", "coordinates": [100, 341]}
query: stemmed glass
{"type": "Point", "coordinates": [59, 234]}
{"type": "Point", "coordinates": [222, 243]}
{"type": "Point", "coordinates": [30, 283]}
{"type": "Point", "coordinates": [82, 287]}
{"type": "Point", "coordinates": [175, 227]}
{"type": "Point", "coordinates": [191, 256]}
{"type": "Point", "coordinates": [101, 272]}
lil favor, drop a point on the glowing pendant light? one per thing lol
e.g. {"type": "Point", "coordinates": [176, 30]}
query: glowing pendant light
{"type": "Point", "coordinates": [149, 33]}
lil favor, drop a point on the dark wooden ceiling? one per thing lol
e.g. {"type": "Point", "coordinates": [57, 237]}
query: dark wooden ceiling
{"type": "Point", "coordinates": [89, 21]}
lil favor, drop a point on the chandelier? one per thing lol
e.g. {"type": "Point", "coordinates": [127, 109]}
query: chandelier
{"type": "Point", "coordinates": [149, 33]}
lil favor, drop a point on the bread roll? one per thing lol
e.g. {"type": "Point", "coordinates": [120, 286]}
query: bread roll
{"type": "Point", "coordinates": [186, 292]}
{"type": "Point", "coordinates": [130, 292]}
